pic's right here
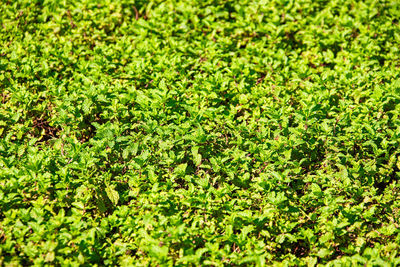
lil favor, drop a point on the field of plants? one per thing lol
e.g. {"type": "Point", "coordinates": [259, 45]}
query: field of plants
{"type": "Point", "coordinates": [203, 133]}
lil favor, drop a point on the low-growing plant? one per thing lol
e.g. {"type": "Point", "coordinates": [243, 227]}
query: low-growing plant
{"type": "Point", "coordinates": [199, 132]}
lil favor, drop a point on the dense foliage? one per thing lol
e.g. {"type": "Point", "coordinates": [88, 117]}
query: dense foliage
{"type": "Point", "coordinates": [199, 132]}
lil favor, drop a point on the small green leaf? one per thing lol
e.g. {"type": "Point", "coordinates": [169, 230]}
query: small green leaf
{"type": "Point", "coordinates": [112, 194]}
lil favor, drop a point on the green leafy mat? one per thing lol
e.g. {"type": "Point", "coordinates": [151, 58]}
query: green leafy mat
{"type": "Point", "coordinates": [199, 133]}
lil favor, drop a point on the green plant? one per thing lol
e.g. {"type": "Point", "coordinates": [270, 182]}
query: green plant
{"type": "Point", "coordinates": [199, 132]}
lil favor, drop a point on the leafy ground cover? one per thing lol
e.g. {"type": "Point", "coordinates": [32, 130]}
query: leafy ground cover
{"type": "Point", "coordinates": [199, 132]}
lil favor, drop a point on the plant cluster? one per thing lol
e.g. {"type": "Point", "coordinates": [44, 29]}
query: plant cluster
{"type": "Point", "coordinates": [193, 132]}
